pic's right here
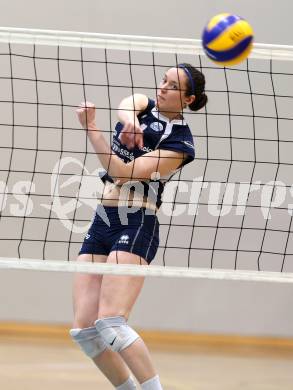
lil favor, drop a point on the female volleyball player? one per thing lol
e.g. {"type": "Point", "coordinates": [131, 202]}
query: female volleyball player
{"type": "Point", "coordinates": [150, 143]}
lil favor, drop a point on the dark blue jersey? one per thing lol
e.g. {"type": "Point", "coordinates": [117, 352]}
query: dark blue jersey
{"type": "Point", "coordinates": [158, 133]}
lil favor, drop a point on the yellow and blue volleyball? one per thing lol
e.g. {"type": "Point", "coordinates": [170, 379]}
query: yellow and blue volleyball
{"type": "Point", "coordinates": [227, 39]}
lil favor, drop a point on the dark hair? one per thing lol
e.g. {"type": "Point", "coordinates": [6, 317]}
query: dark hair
{"type": "Point", "coordinates": [198, 87]}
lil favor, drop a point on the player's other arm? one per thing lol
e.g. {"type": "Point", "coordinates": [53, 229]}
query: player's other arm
{"type": "Point", "coordinates": [131, 134]}
{"type": "Point", "coordinates": [152, 165]}
{"type": "Point", "coordinates": [131, 106]}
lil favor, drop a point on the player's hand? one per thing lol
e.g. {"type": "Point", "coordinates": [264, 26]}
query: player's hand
{"type": "Point", "coordinates": [86, 113]}
{"type": "Point", "coordinates": [131, 135]}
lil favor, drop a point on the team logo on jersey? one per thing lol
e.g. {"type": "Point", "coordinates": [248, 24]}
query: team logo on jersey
{"type": "Point", "coordinates": [147, 149]}
{"type": "Point", "coordinates": [156, 126]}
{"type": "Point", "coordinates": [124, 239]}
{"type": "Point", "coordinates": [87, 236]}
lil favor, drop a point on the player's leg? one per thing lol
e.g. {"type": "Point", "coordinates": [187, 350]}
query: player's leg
{"type": "Point", "coordinates": [117, 297]}
{"type": "Point", "coordinates": [86, 292]}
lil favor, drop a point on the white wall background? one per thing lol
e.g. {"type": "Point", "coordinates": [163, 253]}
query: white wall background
{"type": "Point", "coordinates": [198, 306]}
{"type": "Point", "coordinates": [270, 19]}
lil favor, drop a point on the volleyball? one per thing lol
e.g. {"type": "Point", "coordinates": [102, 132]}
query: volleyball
{"type": "Point", "coordinates": [227, 39]}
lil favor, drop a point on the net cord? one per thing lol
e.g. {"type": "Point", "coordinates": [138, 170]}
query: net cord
{"type": "Point", "coordinates": [129, 42]}
{"type": "Point", "coordinates": [144, 270]}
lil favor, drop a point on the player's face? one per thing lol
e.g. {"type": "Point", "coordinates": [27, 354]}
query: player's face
{"type": "Point", "coordinates": [171, 96]}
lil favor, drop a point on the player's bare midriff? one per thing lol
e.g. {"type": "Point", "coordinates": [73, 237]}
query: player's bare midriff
{"type": "Point", "coordinates": [117, 195]}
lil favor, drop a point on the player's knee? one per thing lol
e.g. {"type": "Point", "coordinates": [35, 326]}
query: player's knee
{"type": "Point", "coordinates": [116, 333]}
{"type": "Point", "coordinates": [89, 341]}
{"type": "Point", "coordinates": [108, 309]}
{"type": "Point", "coordinates": [83, 320]}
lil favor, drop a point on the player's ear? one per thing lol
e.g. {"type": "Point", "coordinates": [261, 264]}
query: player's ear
{"type": "Point", "coordinates": [189, 99]}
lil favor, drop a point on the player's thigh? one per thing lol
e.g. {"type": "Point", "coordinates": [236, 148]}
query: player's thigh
{"type": "Point", "coordinates": [86, 292]}
{"type": "Point", "coordinates": [119, 292]}
{"type": "Point", "coordinates": [83, 282]}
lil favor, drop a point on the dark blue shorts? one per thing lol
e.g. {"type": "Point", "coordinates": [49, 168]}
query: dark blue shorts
{"type": "Point", "coordinates": [123, 229]}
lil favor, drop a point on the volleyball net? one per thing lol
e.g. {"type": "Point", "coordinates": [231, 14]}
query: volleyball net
{"type": "Point", "coordinates": [228, 215]}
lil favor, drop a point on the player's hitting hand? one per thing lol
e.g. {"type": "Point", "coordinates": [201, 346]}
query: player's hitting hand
{"type": "Point", "coordinates": [131, 135]}
{"type": "Point", "coordinates": [86, 113]}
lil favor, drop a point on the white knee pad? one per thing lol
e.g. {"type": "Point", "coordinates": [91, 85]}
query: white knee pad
{"type": "Point", "coordinates": [89, 341]}
{"type": "Point", "coordinates": [116, 333]}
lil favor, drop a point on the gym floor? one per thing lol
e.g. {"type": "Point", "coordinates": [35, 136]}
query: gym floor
{"type": "Point", "coordinates": [33, 363]}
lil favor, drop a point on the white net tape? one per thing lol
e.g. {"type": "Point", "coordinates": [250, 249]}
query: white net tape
{"type": "Point", "coordinates": [128, 42]}
{"type": "Point", "coordinates": [143, 270]}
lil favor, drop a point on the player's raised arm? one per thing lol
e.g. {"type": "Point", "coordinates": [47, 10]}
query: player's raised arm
{"type": "Point", "coordinates": [131, 134]}
{"type": "Point", "coordinates": [161, 161]}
